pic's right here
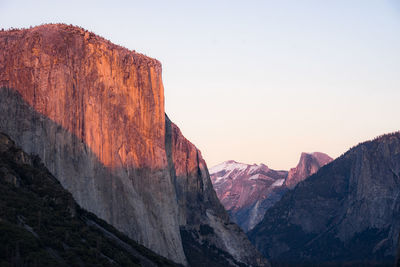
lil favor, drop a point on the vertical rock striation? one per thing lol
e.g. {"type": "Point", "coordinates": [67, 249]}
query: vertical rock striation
{"type": "Point", "coordinates": [94, 112]}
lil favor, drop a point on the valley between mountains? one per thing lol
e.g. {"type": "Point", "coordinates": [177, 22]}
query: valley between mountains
{"type": "Point", "coordinates": [248, 191]}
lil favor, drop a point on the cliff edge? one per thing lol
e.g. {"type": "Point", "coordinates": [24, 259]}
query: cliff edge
{"type": "Point", "coordinates": [94, 112]}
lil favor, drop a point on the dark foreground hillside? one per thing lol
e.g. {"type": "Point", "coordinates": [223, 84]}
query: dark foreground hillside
{"type": "Point", "coordinates": [347, 214]}
{"type": "Point", "coordinates": [41, 224]}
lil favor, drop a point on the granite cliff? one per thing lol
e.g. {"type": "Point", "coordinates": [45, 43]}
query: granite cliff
{"type": "Point", "coordinates": [309, 164]}
{"type": "Point", "coordinates": [348, 213]}
{"type": "Point", "coordinates": [94, 112]}
{"type": "Point", "coordinates": [248, 191]}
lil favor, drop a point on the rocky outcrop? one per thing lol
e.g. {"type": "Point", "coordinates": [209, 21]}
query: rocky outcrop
{"type": "Point", "coordinates": [309, 164]}
{"type": "Point", "coordinates": [248, 191]}
{"type": "Point", "coordinates": [42, 225]}
{"type": "Point", "coordinates": [94, 112]}
{"type": "Point", "coordinates": [346, 213]}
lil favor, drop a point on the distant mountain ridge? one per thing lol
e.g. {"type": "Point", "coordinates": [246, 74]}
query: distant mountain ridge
{"type": "Point", "coordinates": [348, 213]}
{"type": "Point", "coordinates": [247, 191]}
{"type": "Point", "coordinates": [309, 164]}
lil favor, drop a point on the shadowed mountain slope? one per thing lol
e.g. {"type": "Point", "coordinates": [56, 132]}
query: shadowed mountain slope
{"type": "Point", "coordinates": [346, 213]}
{"type": "Point", "coordinates": [397, 263]}
{"type": "Point", "coordinates": [42, 225]}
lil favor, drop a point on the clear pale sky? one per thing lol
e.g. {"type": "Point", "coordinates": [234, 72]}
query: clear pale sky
{"type": "Point", "coordinates": [256, 81]}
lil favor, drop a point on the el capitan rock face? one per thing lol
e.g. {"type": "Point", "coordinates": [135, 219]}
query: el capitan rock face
{"type": "Point", "coordinates": [247, 191]}
{"type": "Point", "coordinates": [94, 112]}
{"type": "Point", "coordinates": [346, 213]}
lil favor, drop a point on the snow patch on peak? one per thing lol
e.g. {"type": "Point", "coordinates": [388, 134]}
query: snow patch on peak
{"type": "Point", "coordinates": [254, 177]}
{"type": "Point", "coordinates": [228, 166]}
{"type": "Point", "coordinates": [253, 168]}
{"type": "Point", "coordinates": [278, 182]}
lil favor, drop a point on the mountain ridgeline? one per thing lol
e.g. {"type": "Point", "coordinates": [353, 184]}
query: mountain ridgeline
{"type": "Point", "coordinates": [348, 213]}
{"type": "Point", "coordinates": [94, 113]}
